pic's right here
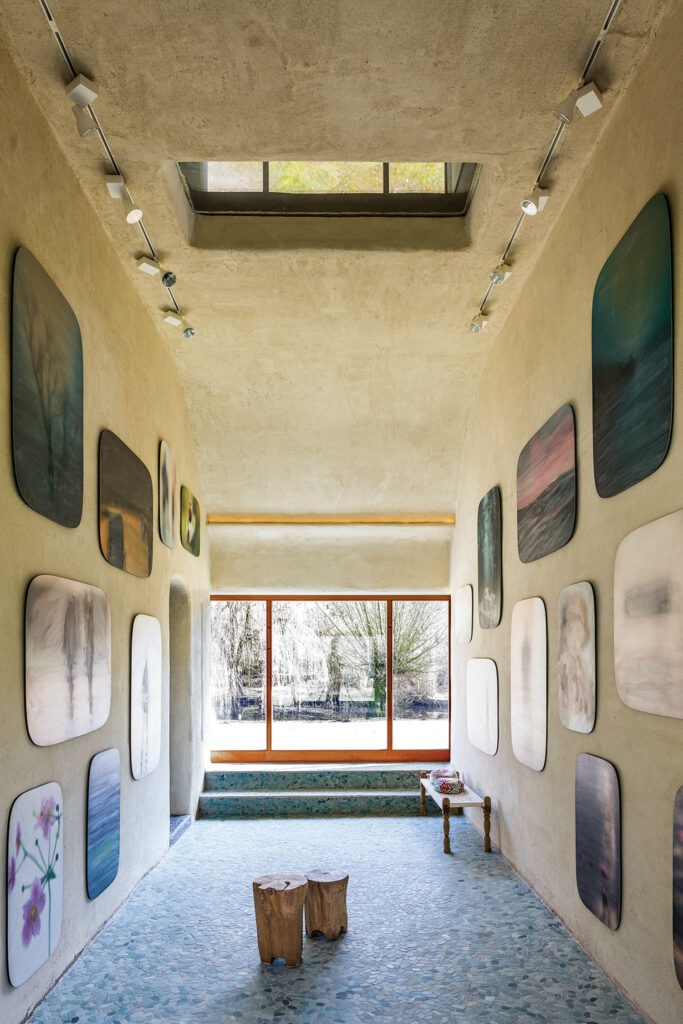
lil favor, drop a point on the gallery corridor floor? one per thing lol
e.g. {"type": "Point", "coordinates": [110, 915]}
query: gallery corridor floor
{"type": "Point", "coordinates": [432, 939]}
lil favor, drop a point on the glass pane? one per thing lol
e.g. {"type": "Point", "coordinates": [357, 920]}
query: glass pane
{"type": "Point", "coordinates": [238, 675]}
{"type": "Point", "coordinates": [424, 178]}
{"type": "Point", "coordinates": [324, 177]}
{"type": "Point", "coordinates": [329, 675]}
{"type": "Point", "coordinates": [245, 176]}
{"type": "Point", "coordinates": [420, 673]}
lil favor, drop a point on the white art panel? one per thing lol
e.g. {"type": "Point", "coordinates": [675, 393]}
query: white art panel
{"type": "Point", "coordinates": [68, 659]}
{"type": "Point", "coordinates": [576, 657]}
{"type": "Point", "coordinates": [35, 871]}
{"type": "Point", "coordinates": [145, 695]}
{"type": "Point", "coordinates": [529, 682]}
{"type": "Point", "coordinates": [167, 494]}
{"type": "Point", "coordinates": [462, 611]}
{"type": "Point", "coordinates": [648, 617]}
{"type": "Point", "coordinates": [482, 704]}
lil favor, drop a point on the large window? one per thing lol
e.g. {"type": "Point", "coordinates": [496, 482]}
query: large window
{"type": "Point", "coordinates": [308, 677]}
{"type": "Point", "coordinates": [323, 187]}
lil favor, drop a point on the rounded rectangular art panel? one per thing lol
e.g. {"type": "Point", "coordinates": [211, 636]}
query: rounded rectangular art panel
{"type": "Point", "coordinates": [598, 838]}
{"type": "Point", "coordinates": [490, 559]}
{"type": "Point", "coordinates": [145, 695]}
{"type": "Point", "coordinates": [35, 871]}
{"type": "Point", "coordinates": [576, 657]}
{"type": "Point", "coordinates": [648, 617]}
{"type": "Point", "coordinates": [189, 521]}
{"type": "Point", "coordinates": [678, 886]}
{"type": "Point", "coordinates": [167, 495]}
{"type": "Point", "coordinates": [529, 682]}
{"type": "Point", "coordinates": [482, 704]}
{"type": "Point", "coordinates": [68, 659]}
{"type": "Point", "coordinates": [104, 820]}
{"type": "Point", "coordinates": [546, 488]}
{"type": "Point", "coordinates": [126, 507]}
{"type": "Point", "coordinates": [462, 613]}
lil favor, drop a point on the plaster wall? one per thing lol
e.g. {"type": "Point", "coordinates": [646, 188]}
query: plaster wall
{"type": "Point", "coordinates": [131, 387]}
{"type": "Point", "coordinates": [541, 359]}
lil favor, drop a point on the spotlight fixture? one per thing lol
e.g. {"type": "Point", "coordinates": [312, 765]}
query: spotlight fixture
{"type": "Point", "coordinates": [148, 266]}
{"type": "Point", "coordinates": [535, 201]}
{"type": "Point", "coordinates": [478, 323]}
{"type": "Point", "coordinates": [189, 332]}
{"type": "Point", "coordinates": [117, 190]}
{"type": "Point", "coordinates": [586, 100]}
{"type": "Point", "coordinates": [500, 274]}
{"type": "Point", "coordinates": [81, 91]}
{"type": "Point", "coordinates": [84, 122]}
{"type": "Point", "coordinates": [168, 280]}
{"type": "Point", "coordinates": [172, 318]}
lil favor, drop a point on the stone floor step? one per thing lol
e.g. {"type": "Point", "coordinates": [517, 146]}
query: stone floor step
{"type": "Point", "coordinates": [314, 803]}
{"type": "Point", "coordinates": [318, 778]}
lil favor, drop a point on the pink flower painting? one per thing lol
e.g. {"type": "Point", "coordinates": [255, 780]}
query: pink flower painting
{"type": "Point", "coordinates": [47, 816]}
{"type": "Point", "coordinates": [32, 910]}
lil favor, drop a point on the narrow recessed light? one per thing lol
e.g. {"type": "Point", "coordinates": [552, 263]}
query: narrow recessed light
{"type": "Point", "coordinates": [478, 323]}
{"type": "Point", "coordinates": [535, 201]}
{"type": "Point", "coordinates": [148, 266]}
{"type": "Point", "coordinates": [172, 318]}
{"type": "Point", "coordinates": [81, 91]}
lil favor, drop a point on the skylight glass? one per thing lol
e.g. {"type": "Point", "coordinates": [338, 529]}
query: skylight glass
{"type": "Point", "coordinates": [320, 177]}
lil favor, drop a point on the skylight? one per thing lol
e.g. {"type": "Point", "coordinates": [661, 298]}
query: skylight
{"type": "Point", "coordinates": [325, 187]}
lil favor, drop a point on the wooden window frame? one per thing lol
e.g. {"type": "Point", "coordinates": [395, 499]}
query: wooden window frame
{"type": "Point", "coordinates": [270, 756]}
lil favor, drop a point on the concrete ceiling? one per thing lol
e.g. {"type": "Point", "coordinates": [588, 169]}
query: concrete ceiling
{"type": "Point", "coordinates": [329, 379]}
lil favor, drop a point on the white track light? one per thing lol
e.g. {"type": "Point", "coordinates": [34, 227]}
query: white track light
{"type": "Point", "coordinates": [84, 122]}
{"type": "Point", "coordinates": [148, 266]}
{"type": "Point", "coordinates": [586, 100]}
{"type": "Point", "coordinates": [81, 91]}
{"type": "Point", "coordinates": [172, 318]}
{"type": "Point", "coordinates": [500, 274]}
{"type": "Point", "coordinates": [535, 201]}
{"type": "Point", "coordinates": [117, 190]}
{"type": "Point", "coordinates": [478, 323]}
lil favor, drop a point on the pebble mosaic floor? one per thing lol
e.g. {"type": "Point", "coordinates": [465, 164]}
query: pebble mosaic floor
{"type": "Point", "coordinates": [432, 939]}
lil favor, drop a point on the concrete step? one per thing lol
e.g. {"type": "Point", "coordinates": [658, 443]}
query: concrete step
{"type": "Point", "coordinates": [314, 778]}
{"type": "Point", "coordinates": [314, 803]}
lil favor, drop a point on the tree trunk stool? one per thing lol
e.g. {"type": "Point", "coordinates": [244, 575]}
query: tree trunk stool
{"type": "Point", "coordinates": [326, 903]}
{"type": "Point", "coordinates": [279, 905]}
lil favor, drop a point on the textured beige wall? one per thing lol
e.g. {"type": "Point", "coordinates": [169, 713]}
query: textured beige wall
{"type": "Point", "coordinates": [132, 388]}
{"type": "Point", "coordinates": [540, 360]}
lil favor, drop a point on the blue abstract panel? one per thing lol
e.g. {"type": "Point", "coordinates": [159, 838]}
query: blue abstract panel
{"type": "Point", "coordinates": [678, 886]}
{"type": "Point", "coordinates": [104, 820]}
{"type": "Point", "coordinates": [633, 354]}
{"type": "Point", "coordinates": [47, 395]}
{"type": "Point", "coordinates": [598, 838]}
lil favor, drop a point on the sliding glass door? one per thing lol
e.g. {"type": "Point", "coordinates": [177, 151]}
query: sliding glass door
{"type": "Point", "coordinates": [306, 679]}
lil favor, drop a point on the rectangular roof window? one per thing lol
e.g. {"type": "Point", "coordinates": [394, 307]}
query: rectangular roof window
{"type": "Point", "coordinates": [329, 188]}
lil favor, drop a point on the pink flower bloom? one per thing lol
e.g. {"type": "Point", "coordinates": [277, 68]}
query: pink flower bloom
{"type": "Point", "coordinates": [11, 874]}
{"type": "Point", "coordinates": [32, 909]}
{"type": "Point", "coordinates": [47, 816]}
{"type": "Point", "coordinates": [17, 840]}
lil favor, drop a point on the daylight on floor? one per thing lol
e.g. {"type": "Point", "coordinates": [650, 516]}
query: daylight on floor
{"type": "Point", "coordinates": [343, 584]}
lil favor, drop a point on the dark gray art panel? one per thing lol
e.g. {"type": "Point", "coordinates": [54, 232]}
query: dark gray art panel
{"type": "Point", "coordinates": [633, 354]}
{"type": "Point", "coordinates": [126, 507]}
{"type": "Point", "coordinates": [47, 395]}
{"type": "Point", "coordinates": [598, 838]}
{"type": "Point", "coordinates": [678, 886]}
{"type": "Point", "coordinates": [489, 559]}
{"type": "Point", "coordinates": [104, 820]}
{"type": "Point", "coordinates": [546, 488]}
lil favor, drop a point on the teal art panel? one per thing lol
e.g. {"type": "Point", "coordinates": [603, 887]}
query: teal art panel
{"type": "Point", "coordinates": [633, 354]}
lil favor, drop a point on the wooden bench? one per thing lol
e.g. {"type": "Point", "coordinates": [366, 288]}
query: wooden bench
{"type": "Point", "coordinates": [455, 802]}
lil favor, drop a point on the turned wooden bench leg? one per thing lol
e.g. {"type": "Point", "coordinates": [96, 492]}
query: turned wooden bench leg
{"type": "Point", "coordinates": [487, 824]}
{"type": "Point", "coordinates": [423, 799]}
{"type": "Point", "coordinates": [446, 810]}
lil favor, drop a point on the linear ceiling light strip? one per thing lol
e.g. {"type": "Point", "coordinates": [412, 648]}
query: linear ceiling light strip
{"type": "Point", "coordinates": [64, 50]}
{"type": "Point", "coordinates": [341, 520]}
{"type": "Point", "coordinates": [478, 322]}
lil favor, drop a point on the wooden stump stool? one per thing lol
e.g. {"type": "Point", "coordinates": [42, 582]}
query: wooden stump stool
{"type": "Point", "coordinates": [279, 906]}
{"type": "Point", "coordinates": [326, 903]}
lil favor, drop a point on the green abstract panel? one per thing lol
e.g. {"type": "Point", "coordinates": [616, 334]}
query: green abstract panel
{"type": "Point", "coordinates": [633, 354]}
